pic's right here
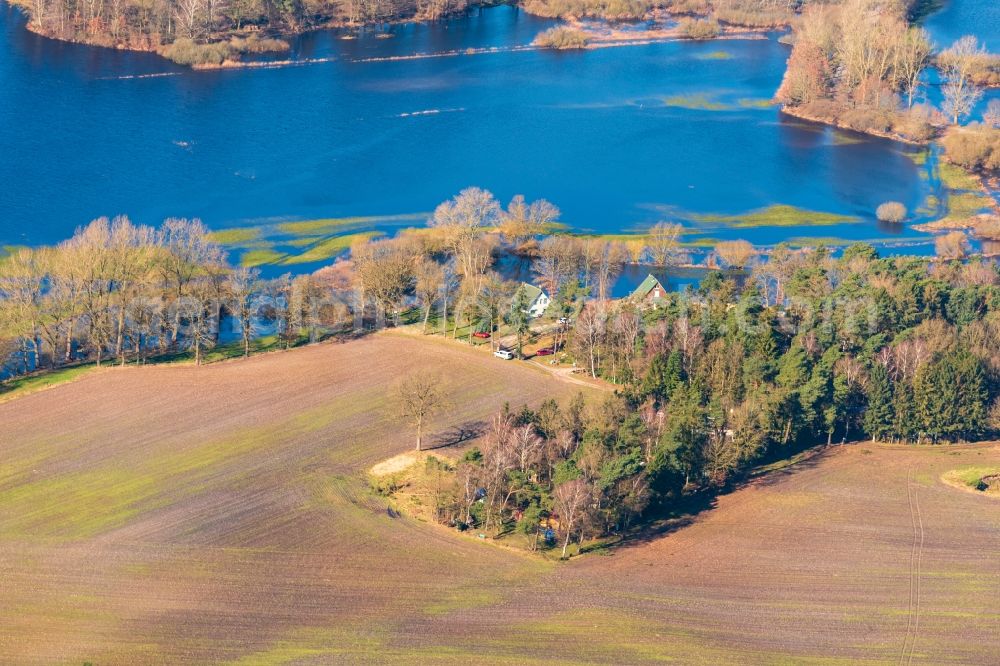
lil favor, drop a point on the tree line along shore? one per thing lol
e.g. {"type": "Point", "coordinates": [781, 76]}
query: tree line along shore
{"type": "Point", "coordinates": [211, 31]}
{"type": "Point", "coordinates": [764, 358]}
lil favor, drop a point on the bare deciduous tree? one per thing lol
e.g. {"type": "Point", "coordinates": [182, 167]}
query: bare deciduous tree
{"type": "Point", "coordinates": [521, 220]}
{"type": "Point", "coordinates": [428, 282]}
{"type": "Point", "coordinates": [960, 92]}
{"type": "Point", "coordinates": [187, 249]}
{"type": "Point", "coordinates": [385, 270]}
{"type": "Point", "coordinates": [953, 245]}
{"type": "Point", "coordinates": [664, 243]}
{"type": "Point", "coordinates": [418, 397]}
{"type": "Point", "coordinates": [736, 254]}
{"type": "Point", "coordinates": [493, 301]}
{"type": "Point", "coordinates": [588, 335]}
{"type": "Point", "coordinates": [244, 290]}
{"type": "Point", "coordinates": [991, 116]}
{"type": "Point", "coordinates": [913, 52]}
{"type": "Point", "coordinates": [571, 499]}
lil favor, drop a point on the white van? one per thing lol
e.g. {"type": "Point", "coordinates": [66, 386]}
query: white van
{"type": "Point", "coordinates": [505, 354]}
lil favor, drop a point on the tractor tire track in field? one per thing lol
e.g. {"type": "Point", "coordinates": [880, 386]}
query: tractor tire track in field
{"type": "Point", "coordinates": [916, 555]}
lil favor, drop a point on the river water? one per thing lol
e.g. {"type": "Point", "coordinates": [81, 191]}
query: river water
{"type": "Point", "coordinates": [618, 138]}
{"type": "Point", "coordinates": [956, 18]}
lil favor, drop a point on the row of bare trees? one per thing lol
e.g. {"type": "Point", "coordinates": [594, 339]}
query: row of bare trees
{"type": "Point", "coordinates": [126, 291]}
{"type": "Point", "coordinates": [117, 290]}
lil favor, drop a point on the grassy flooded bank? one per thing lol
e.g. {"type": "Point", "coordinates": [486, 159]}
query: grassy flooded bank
{"type": "Point", "coordinates": [967, 203]}
{"type": "Point", "coordinates": [294, 243]}
{"type": "Point", "coordinates": [306, 243]}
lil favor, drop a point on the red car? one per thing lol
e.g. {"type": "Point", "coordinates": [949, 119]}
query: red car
{"type": "Point", "coordinates": [481, 334]}
{"type": "Point", "coordinates": [545, 351]}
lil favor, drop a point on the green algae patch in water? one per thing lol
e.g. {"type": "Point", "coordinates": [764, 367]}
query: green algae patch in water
{"type": "Point", "coordinates": [328, 248]}
{"type": "Point", "coordinates": [697, 102]}
{"type": "Point", "coordinates": [955, 177]}
{"type": "Point", "coordinates": [235, 236]}
{"type": "Point", "coordinates": [778, 215]}
{"type": "Point", "coordinates": [260, 257]}
{"type": "Point", "coordinates": [919, 158]}
{"type": "Point", "coordinates": [755, 103]}
{"type": "Point", "coordinates": [329, 225]}
{"type": "Point", "coordinates": [841, 138]}
{"type": "Point", "coordinates": [819, 241]}
{"type": "Point", "coordinates": [7, 250]}
{"type": "Point", "coordinates": [282, 243]}
{"type": "Point", "coordinates": [716, 55]}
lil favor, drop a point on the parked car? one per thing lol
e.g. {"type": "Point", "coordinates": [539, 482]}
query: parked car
{"type": "Point", "coordinates": [545, 351]}
{"type": "Point", "coordinates": [481, 334]}
{"type": "Point", "coordinates": [564, 320]}
{"type": "Point", "coordinates": [505, 354]}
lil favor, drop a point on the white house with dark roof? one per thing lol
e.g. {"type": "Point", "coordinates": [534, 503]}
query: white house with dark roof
{"type": "Point", "coordinates": [538, 300]}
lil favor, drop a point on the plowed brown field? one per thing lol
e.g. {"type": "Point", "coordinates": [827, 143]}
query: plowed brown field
{"type": "Point", "coordinates": [217, 514]}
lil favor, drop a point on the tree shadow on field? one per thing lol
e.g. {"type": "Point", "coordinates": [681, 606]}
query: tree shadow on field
{"type": "Point", "coordinates": [460, 434]}
{"type": "Point", "coordinates": [686, 511]}
{"type": "Point", "coordinates": [663, 523]}
{"type": "Point", "coordinates": [777, 472]}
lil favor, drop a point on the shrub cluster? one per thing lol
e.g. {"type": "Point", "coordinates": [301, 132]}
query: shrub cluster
{"type": "Point", "coordinates": [891, 211]}
{"type": "Point", "coordinates": [693, 28]}
{"type": "Point", "coordinates": [976, 147]}
{"type": "Point", "coordinates": [185, 51]}
{"type": "Point", "coordinates": [737, 12]}
{"type": "Point", "coordinates": [255, 44]}
{"type": "Point", "coordinates": [689, 6]}
{"type": "Point", "coordinates": [561, 37]}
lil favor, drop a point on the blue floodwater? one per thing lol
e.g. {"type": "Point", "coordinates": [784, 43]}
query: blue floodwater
{"type": "Point", "coordinates": [618, 138]}
{"type": "Point", "coordinates": [957, 18]}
